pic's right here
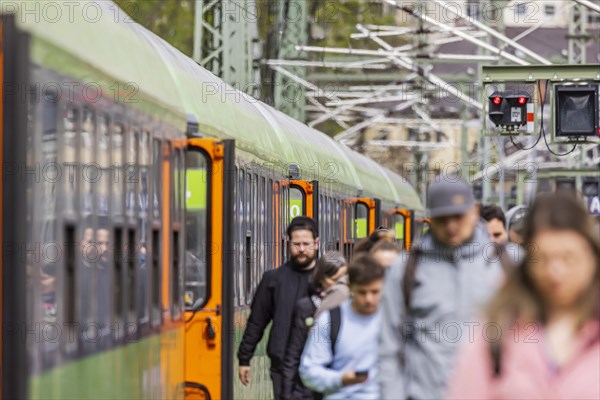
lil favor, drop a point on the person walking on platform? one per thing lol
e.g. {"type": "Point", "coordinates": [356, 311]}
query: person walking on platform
{"type": "Point", "coordinates": [329, 288]}
{"type": "Point", "coordinates": [543, 340]}
{"type": "Point", "coordinates": [515, 221]}
{"type": "Point", "coordinates": [340, 356]}
{"type": "Point", "coordinates": [381, 244]}
{"type": "Point", "coordinates": [275, 298]}
{"type": "Point", "coordinates": [496, 227]}
{"type": "Point", "coordinates": [495, 223]}
{"type": "Point", "coordinates": [431, 295]}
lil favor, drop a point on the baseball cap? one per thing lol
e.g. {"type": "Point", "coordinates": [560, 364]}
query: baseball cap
{"type": "Point", "coordinates": [446, 198]}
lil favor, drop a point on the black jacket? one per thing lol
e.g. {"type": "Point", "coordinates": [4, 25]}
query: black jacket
{"type": "Point", "coordinates": [274, 300]}
{"type": "Point", "coordinates": [302, 320]}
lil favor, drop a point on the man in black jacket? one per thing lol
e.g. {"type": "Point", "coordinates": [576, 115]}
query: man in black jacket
{"type": "Point", "coordinates": [275, 299]}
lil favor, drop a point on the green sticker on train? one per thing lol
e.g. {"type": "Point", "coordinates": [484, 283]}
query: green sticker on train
{"type": "Point", "coordinates": [399, 230]}
{"type": "Point", "coordinates": [295, 208]}
{"type": "Point", "coordinates": [361, 228]}
{"type": "Point", "coordinates": [196, 189]}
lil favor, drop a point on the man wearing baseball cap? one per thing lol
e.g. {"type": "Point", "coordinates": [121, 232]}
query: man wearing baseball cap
{"type": "Point", "coordinates": [431, 297]}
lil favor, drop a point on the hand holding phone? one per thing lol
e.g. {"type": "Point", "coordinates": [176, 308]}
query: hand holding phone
{"type": "Point", "coordinates": [353, 378]}
{"type": "Point", "coordinates": [362, 373]}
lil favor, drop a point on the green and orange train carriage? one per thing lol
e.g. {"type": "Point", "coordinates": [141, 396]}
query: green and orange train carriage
{"type": "Point", "coordinates": [112, 139]}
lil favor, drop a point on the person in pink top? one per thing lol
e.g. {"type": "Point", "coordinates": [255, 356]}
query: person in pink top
{"type": "Point", "coordinates": [541, 335]}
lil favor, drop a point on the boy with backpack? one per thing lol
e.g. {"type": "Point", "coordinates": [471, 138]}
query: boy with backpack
{"type": "Point", "coordinates": [340, 356]}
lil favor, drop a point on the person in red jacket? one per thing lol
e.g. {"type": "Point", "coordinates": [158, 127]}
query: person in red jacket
{"type": "Point", "coordinates": [541, 335]}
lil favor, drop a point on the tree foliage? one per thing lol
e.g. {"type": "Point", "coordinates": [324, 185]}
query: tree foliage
{"type": "Point", "coordinates": [334, 21]}
{"type": "Point", "coordinates": [173, 20]}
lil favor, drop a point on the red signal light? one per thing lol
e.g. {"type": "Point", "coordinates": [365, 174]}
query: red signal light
{"type": "Point", "coordinates": [497, 100]}
{"type": "Point", "coordinates": [522, 100]}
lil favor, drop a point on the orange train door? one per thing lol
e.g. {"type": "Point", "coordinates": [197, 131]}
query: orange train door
{"type": "Point", "coordinates": [413, 228]}
{"type": "Point", "coordinates": [361, 217]}
{"type": "Point", "coordinates": [403, 226]}
{"type": "Point", "coordinates": [304, 198]}
{"type": "Point", "coordinates": [366, 217]}
{"type": "Point", "coordinates": [14, 73]}
{"type": "Point", "coordinates": [209, 269]}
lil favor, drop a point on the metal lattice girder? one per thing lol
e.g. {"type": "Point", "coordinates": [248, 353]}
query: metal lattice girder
{"type": "Point", "coordinates": [225, 40]}
{"type": "Point", "coordinates": [449, 8]}
{"type": "Point", "coordinates": [589, 4]}
{"type": "Point", "coordinates": [532, 73]}
{"type": "Point", "coordinates": [408, 64]}
{"type": "Point", "coordinates": [451, 29]}
{"type": "Point", "coordinates": [411, 143]}
{"type": "Point", "coordinates": [289, 94]}
{"type": "Point", "coordinates": [307, 85]}
{"type": "Point", "coordinates": [577, 33]}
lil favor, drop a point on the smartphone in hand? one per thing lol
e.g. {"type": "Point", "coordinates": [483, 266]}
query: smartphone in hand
{"type": "Point", "coordinates": [362, 373]}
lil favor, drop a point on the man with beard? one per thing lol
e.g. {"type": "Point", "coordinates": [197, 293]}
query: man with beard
{"type": "Point", "coordinates": [275, 298]}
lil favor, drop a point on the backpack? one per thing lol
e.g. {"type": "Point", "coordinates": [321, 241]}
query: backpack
{"type": "Point", "coordinates": [408, 280]}
{"type": "Point", "coordinates": [335, 316]}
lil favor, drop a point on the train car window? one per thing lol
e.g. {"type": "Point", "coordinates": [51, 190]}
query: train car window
{"type": "Point", "coordinates": [285, 221]}
{"type": "Point", "coordinates": [117, 160]}
{"type": "Point", "coordinates": [323, 224]}
{"type": "Point", "coordinates": [155, 277]}
{"type": "Point", "coordinates": [197, 230]}
{"type": "Point", "coordinates": [88, 268]}
{"type": "Point", "coordinates": [104, 163]}
{"type": "Point", "coordinates": [45, 305]}
{"type": "Point", "coordinates": [169, 189]}
{"type": "Point", "coordinates": [69, 150]}
{"type": "Point", "coordinates": [255, 242]}
{"type": "Point", "coordinates": [321, 216]}
{"type": "Point", "coordinates": [157, 157]}
{"type": "Point", "coordinates": [247, 238]}
{"type": "Point", "coordinates": [118, 276]}
{"type": "Point", "coordinates": [337, 227]}
{"type": "Point", "coordinates": [102, 232]}
{"type": "Point", "coordinates": [241, 236]}
{"type": "Point", "coordinates": [236, 224]}
{"type": "Point", "coordinates": [178, 189]}
{"type": "Point", "coordinates": [130, 274]}
{"type": "Point", "coordinates": [269, 220]}
{"type": "Point", "coordinates": [276, 225]}
{"type": "Point", "coordinates": [349, 223]}
{"type": "Point", "coordinates": [262, 227]}
{"type": "Point", "coordinates": [89, 171]}
{"type": "Point", "coordinates": [248, 268]}
{"type": "Point", "coordinates": [69, 276]}
{"type": "Point", "coordinates": [361, 221]}
{"type": "Point", "coordinates": [156, 273]}
{"type": "Point", "coordinates": [129, 172]}
{"type": "Point", "coordinates": [131, 253]}
{"type": "Point", "coordinates": [143, 258]}
{"type": "Point", "coordinates": [329, 223]}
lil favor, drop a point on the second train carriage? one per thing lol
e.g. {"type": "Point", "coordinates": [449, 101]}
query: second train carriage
{"type": "Point", "coordinates": [215, 178]}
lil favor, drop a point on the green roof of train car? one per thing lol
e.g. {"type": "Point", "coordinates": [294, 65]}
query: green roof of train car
{"type": "Point", "coordinates": [172, 86]}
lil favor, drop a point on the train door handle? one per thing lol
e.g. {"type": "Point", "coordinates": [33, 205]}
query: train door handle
{"type": "Point", "coordinates": [210, 330]}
